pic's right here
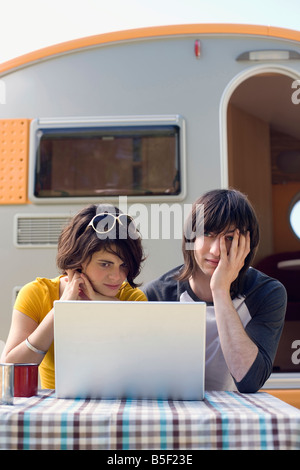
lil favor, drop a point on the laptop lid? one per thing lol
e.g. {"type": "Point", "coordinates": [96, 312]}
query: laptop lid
{"type": "Point", "coordinates": [129, 349]}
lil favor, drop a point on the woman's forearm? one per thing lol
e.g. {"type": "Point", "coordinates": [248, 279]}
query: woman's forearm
{"type": "Point", "coordinates": [40, 338]}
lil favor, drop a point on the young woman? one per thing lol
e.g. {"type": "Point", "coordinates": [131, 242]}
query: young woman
{"type": "Point", "coordinates": [99, 256]}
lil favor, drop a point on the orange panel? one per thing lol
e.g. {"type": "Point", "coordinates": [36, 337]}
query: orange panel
{"type": "Point", "coordinates": [14, 145]}
{"type": "Point", "coordinates": [290, 396]}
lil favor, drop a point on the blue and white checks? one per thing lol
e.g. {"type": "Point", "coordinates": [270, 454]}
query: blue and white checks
{"type": "Point", "coordinates": [223, 420]}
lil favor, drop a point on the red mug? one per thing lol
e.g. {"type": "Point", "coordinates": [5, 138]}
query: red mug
{"type": "Point", "coordinates": [26, 380]}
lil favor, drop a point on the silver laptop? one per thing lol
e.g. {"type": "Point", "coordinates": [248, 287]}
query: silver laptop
{"type": "Point", "coordinates": [153, 350]}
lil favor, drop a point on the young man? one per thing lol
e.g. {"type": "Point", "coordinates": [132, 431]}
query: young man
{"type": "Point", "coordinates": [245, 308]}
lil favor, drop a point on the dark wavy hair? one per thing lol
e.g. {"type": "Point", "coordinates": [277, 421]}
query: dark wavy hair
{"type": "Point", "coordinates": [221, 208]}
{"type": "Point", "coordinates": [78, 242]}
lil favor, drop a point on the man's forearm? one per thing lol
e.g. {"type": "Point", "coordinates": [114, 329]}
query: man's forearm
{"type": "Point", "coordinates": [239, 350]}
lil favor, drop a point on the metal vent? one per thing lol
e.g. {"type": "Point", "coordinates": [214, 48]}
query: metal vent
{"type": "Point", "coordinates": [34, 231]}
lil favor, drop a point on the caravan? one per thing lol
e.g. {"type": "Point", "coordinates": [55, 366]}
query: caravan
{"type": "Point", "coordinates": [150, 119]}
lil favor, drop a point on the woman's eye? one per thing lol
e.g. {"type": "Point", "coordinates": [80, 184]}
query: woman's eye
{"type": "Point", "coordinates": [104, 265]}
{"type": "Point", "coordinates": [229, 238]}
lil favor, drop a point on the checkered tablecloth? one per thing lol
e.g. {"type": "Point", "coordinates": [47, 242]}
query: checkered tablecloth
{"type": "Point", "coordinates": [224, 420]}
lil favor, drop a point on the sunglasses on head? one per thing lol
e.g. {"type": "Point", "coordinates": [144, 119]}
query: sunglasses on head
{"type": "Point", "coordinates": [104, 222]}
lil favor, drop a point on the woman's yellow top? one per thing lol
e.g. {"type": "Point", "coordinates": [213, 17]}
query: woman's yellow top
{"type": "Point", "coordinates": [36, 300]}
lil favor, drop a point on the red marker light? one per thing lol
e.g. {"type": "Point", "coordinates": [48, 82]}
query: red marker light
{"type": "Point", "coordinates": [197, 48]}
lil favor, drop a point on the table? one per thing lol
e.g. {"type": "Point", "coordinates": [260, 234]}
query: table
{"type": "Point", "coordinates": [223, 420]}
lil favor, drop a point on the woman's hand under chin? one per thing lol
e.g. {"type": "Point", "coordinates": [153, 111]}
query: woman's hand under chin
{"type": "Point", "coordinates": [70, 286]}
{"type": "Point", "coordinates": [87, 292]}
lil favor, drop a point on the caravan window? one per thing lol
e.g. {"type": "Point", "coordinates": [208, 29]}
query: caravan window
{"type": "Point", "coordinates": [107, 161]}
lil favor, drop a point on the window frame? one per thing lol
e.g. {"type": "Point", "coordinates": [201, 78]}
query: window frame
{"type": "Point", "coordinates": [105, 122]}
